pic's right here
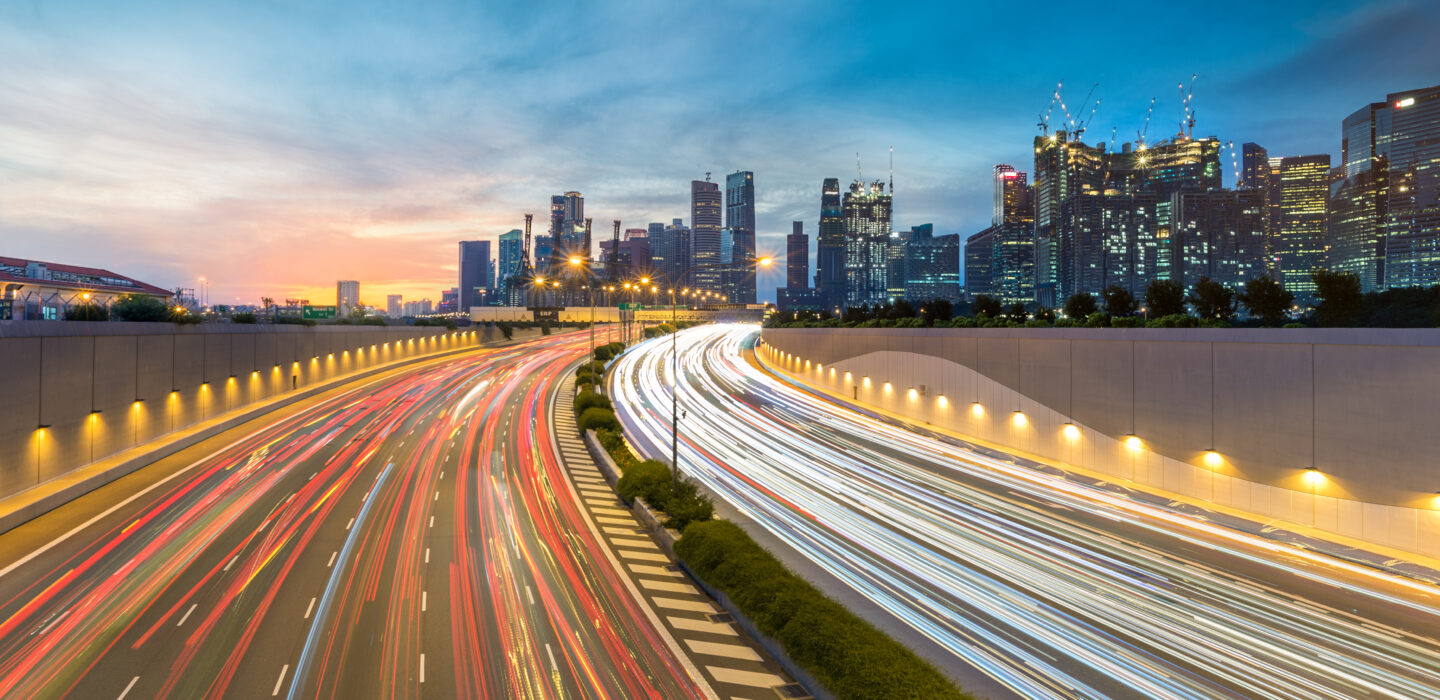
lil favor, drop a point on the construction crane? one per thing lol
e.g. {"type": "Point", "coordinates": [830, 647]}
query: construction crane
{"type": "Point", "coordinates": [587, 236]}
{"type": "Point", "coordinates": [526, 269]}
{"type": "Point", "coordinates": [1187, 119]}
{"type": "Point", "coordinates": [1140, 135]}
{"type": "Point", "coordinates": [1044, 122]}
{"type": "Point", "coordinates": [1234, 162]}
{"type": "Point", "coordinates": [1079, 129]}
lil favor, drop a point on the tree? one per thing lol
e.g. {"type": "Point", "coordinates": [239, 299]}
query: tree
{"type": "Point", "coordinates": [87, 311]}
{"type": "Point", "coordinates": [142, 308]}
{"type": "Point", "coordinates": [1340, 298]}
{"type": "Point", "coordinates": [1045, 314]}
{"type": "Point", "coordinates": [1016, 313]}
{"type": "Point", "coordinates": [936, 311]}
{"type": "Point", "coordinates": [1265, 299]}
{"type": "Point", "coordinates": [1164, 298]}
{"type": "Point", "coordinates": [985, 305]}
{"type": "Point", "coordinates": [1080, 306]}
{"type": "Point", "coordinates": [1213, 301]}
{"type": "Point", "coordinates": [1119, 302]}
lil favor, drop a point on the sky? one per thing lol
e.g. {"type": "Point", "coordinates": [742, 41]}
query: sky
{"type": "Point", "coordinates": [274, 147]}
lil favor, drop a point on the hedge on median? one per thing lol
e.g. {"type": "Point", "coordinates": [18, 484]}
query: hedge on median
{"type": "Point", "coordinates": [844, 653]}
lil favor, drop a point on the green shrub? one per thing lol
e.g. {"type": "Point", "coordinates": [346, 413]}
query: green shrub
{"type": "Point", "coordinates": [87, 311]}
{"type": "Point", "coordinates": [139, 307]}
{"type": "Point", "coordinates": [544, 329]}
{"type": "Point", "coordinates": [590, 399]}
{"type": "Point", "coordinates": [847, 655]}
{"type": "Point", "coordinates": [295, 321]}
{"type": "Point", "coordinates": [242, 317]}
{"type": "Point", "coordinates": [649, 480]}
{"type": "Point", "coordinates": [1294, 325]}
{"type": "Point", "coordinates": [1174, 321]}
{"type": "Point", "coordinates": [505, 329]}
{"type": "Point", "coordinates": [685, 504]}
{"type": "Point", "coordinates": [1127, 322]}
{"type": "Point", "coordinates": [598, 418]}
{"type": "Point", "coordinates": [614, 443]}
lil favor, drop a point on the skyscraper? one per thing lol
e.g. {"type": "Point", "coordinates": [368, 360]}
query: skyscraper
{"type": "Point", "coordinates": [705, 218]}
{"type": "Point", "coordinates": [830, 249]}
{"type": "Point", "coordinates": [1062, 169]}
{"type": "Point", "coordinates": [1011, 196]}
{"type": "Point", "coordinates": [1299, 239]}
{"type": "Point", "coordinates": [1220, 235]}
{"type": "Point", "coordinates": [932, 268]}
{"type": "Point", "coordinates": [1255, 168]}
{"type": "Point", "coordinates": [740, 220]}
{"type": "Point", "coordinates": [797, 257]}
{"type": "Point", "coordinates": [979, 253]}
{"type": "Point", "coordinates": [474, 274]}
{"type": "Point", "coordinates": [567, 226]}
{"type": "Point", "coordinates": [347, 296]}
{"type": "Point", "coordinates": [1407, 136]}
{"type": "Point", "coordinates": [511, 246]}
{"type": "Point", "coordinates": [867, 210]}
{"type": "Point", "coordinates": [1009, 242]}
{"type": "Point", "coordinates": [392, 305]}
{"type": "Point", "coordinates": [670, 252]}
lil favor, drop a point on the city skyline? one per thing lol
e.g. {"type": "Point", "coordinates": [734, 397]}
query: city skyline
{"type": "Point", "coordinates": [173, 144]}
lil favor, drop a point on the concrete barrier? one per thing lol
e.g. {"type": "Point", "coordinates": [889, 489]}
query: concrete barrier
{"type": "Point", "coordinates": [1234, 417]}
{"type": "Point", "coordinates": [76, 393]}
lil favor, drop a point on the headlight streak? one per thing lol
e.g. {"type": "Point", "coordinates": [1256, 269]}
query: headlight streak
{"type": "Point", "coordinates": [275, 497]}
{"type": "Point", "coordinates": [896, 516]}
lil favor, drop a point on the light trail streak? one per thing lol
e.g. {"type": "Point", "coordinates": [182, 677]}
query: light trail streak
{"type": "Point", "coordinates": [1048, 587]}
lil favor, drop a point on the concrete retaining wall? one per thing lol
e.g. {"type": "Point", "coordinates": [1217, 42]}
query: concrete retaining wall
{"type": "Point", "coordinates": [101, 388]}
{"type": "Point", "coordinates": [1356, 404]}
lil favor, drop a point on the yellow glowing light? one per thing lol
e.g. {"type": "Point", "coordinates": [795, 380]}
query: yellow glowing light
{"type": "Point", "coordinates": [765, 261]}
{"type": "Point", "coordinates": [941, 401]}
{"type": "Point", "coordinates": [976, 409]}
{"type": "Point", "coordinates": [575, 260]}
{"type": "Point", "coordinates": [1213, 458]}
{"type": "Point", "coordinates": [1018, 419]}
{"type": "Point", "coordinates": [1133, 442]}
{"type": "Point", "coordinates": [847, 376]}
{"type": "Point", "coordinates": [913, 394]}
{"type": "Point", "coordinates": [866, 382]}
{"type": "Point", "coordinates": [644, 280]}
{"type": "Point", "coordinates": [1314, 477]}
{"type": "Point", "coordinates": [85, 296]}
{"type": "Point", "coordinates": [1071, 431]}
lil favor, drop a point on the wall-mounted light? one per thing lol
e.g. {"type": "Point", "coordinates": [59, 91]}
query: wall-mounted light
{"type": "Point", "coordinates": [912, 393]}
{"type": "Point", "coordinates": [1018, 418]}
{"type": "Point", "coordinates": [941, 401]}
{"type": "Point", "coordinates": [42, 426]}
{"type": "Point", "coordinates": [1071, 431]}
{"type": "Point", "coordinates": [1132, 441]}
{"type": "Point", "coordinates": [1213, 458]}
{"type": "Point", "coordinates": [976, 409]}
{"type": "Point", "coordinates": [94, 411]}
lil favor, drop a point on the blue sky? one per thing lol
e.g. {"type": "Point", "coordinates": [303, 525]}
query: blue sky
{"type": "Point", "coordinates": [275, 147]}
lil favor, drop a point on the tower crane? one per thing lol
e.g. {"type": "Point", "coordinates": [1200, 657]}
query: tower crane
{"type": "Point", "coordinates": [1140, 135]}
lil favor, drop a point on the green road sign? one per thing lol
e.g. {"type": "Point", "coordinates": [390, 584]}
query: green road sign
{"type": "Point", "coordinates": [631, 306]}
{"type": "Point", "coordinates": [317, 312]}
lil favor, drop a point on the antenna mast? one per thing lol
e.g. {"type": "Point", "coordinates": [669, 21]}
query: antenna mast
{"type": "Point", "coordinates": [892, 171]}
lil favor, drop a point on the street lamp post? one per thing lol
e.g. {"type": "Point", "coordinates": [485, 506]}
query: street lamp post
{"type": "Point", "coordinates": [675, 369]}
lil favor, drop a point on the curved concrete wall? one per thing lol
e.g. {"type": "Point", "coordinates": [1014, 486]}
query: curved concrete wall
{"type": "Point", "coordinates": [1358, 405]}
{"type": "Point", "coordinates": [100, 388]}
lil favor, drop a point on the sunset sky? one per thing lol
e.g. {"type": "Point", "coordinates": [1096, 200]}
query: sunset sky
{"type": "Point", "coordinates": [275, 149]}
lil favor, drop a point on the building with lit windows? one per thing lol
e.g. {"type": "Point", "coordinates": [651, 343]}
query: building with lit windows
{"type": "Point", "coordinates": [511, 249]}
{"type": "Point", "coordinates": [932, 267]}
{"type": "Point", "coordinates": [705, 224]}
{"type": "Point", "coordinates": [740, 222]}
{"type": "Point", "coordinates": [35, 290]}
{"type": "Point", "coordinates": [477, 275]}
{"type": "Point", "coordinates": [830, 247]}
{"type": "Point", "coordinates": [867, 212]}
{"type": "Point", "coordinates": [1299, 238]}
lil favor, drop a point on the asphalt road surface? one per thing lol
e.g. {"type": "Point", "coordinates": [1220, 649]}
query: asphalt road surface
{"type": "Point", "coordinates": [415, 536]}
{"type": "Point", "coordinates": [1015, 581]}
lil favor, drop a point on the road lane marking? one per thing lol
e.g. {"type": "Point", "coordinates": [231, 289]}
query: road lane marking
{"type": "Point", "coordinates": [706, 626]}
{"type": "Point", "coordinates": [347, 525]}
{"type": "Point", "coordinates": [422, 667]}
{"type": "Point", "coordinates": [729, 651]}
{"type": "Point", "coordinates": [437, 496]}
{"type": "Point", "coordinates": [551, 654]}
{"type": "Point", "coordinates": [309, 608]}
{"type": "Point", "coordinates": [754, 680]}
{"type": "Point", "coordinates": [424, 601]}
{"type": "Point", "coordinates": [280, 680]}
{"type": "Point", "coordinates": [186, 616]}
{"type": "Point", "coordinates": [126, 691]}
{"type": "Point", "coordinates": [332, 560]}
{"type": "Point", "coordinates": [677, 604]}
{"type": "Point", "coordinates": [427, 555]}
{"type": "Point", "coordinates": [529, 594]}
{"type": "Point", "coordinates": [232, 562]}
{"type": "Point", "coordinates": [432, 521]}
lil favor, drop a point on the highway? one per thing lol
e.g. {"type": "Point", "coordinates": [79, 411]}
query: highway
{"type": "Point", "coordinates": [415, 536]}
{"type": "Point", "coordinates": [1017, 582]}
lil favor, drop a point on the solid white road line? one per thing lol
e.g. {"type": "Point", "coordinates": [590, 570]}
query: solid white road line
{"type": "Point", "coordinates": [278, 681]}
{"type": "Point", "coordinates": [126, 691]}
{"type": "Point", "coordinates": [186, 616]}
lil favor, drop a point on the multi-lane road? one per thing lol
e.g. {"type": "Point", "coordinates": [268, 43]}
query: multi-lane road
{"type": "Point", "coordinates": [1016, 581]}
{"type": "Point", "coordinates": [413, 536]}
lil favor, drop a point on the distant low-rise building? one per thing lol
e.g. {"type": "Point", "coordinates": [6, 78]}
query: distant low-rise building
{"type": "Point", "coordinates": [34, 290]}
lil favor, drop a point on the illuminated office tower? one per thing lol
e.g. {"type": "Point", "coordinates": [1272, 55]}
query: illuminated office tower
{"type": "Point", "coordinates": [705, 218]}
{"type": "Point", "coordinates": [867, 211]}
{"type": "Point", "coordinates": [1299, 234]}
